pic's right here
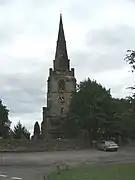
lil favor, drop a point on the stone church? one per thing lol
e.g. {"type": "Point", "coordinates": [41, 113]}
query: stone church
{"type": "Point", "coordinates": [61, 84]}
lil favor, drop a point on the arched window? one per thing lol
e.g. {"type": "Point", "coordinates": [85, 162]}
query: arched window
{"type": "Point", "coordinates": [61, 85]}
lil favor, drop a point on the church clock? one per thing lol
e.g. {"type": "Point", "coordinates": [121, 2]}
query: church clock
{"type": "Point", "coordinates": [61, 99]}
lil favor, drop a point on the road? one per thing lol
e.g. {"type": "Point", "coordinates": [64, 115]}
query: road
{"type": "Point", "coordinates": [33, 166]}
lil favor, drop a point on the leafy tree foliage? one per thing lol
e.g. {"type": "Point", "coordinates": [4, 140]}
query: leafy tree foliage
{"type": "Point", "coordinates": [90, 108]}
{"type": "Point", "coordinates": [4, 121]}
{"type": "Point", "coordinates": [130, 111]}
{"type": "Point", "coordinates": [130, 58]}
{"type": "Point", "coordinates": [37, 130]}
{"type": "Point", "coordinates": [93, 109]}
{"type": "Point", "coordinates": [123, 121]}
{"type": "Point", "coordinates": [20, 132]}
{"type": "Point", "coordinates": [129, 118]}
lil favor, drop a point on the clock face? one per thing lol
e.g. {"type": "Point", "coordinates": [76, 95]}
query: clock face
{"type": "Point", "coordinates": [61, 99]}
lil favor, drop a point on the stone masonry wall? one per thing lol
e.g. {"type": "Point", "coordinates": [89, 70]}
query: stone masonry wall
{"type": "Point", "coordinates": [46, 145]}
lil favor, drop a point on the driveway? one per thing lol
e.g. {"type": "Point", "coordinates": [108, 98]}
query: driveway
{"type": "Point", "coordinates": [33, 166]}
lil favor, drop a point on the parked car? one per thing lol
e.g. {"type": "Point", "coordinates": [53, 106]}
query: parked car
{"type": "Point", "coordinates": [107, 145]}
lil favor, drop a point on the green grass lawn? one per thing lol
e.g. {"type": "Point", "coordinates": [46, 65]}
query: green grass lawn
{"type": "Point", "coordinates": [97, 172]}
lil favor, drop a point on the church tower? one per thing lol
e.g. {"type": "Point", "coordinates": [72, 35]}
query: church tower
{"type": "Point", "coordinates": [60, 86]}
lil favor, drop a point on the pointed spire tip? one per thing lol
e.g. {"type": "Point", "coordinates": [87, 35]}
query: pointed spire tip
{"type": "Point", "coordinates": [60, 13]}
{"type": "Point", "coordinates": [60, 16]}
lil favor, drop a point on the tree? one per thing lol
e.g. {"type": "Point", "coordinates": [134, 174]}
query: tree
{"type": "Point", "coordinates": [123, 122]}
{"type": "Point", "coordinates": [20, 132]}
{"type": "Point", "coordinates": [94, 110]}
{"type": "Point", "coordinates": [130, 58]}
{"type": "Point", "coordinates": [90, 108]}
{"type": "Point", "coordinates": [4, 121]}
{"type": "Point", "coordinates": [128, 118]}
{"type": "Point", "coordinates": [37, 130]}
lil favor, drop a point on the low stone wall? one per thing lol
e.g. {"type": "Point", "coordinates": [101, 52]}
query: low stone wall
{"type": "Point", "coordinates": [46, 145]}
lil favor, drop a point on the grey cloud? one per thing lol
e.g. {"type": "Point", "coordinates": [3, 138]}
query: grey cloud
{"type": "Point", "coordinates": [115, 36]}
{"type": "Point", "coordinates": [105, 49]}
{"type": "Point", "coordinates": [96, 62]}
{"type": "Point", "coordinates": [131, 1]}
{"type": "Point", "coordinates": [32, 21]}
{"type": "Point", "coordinates": [88, 9]}
{"type": "Point", "coordinates": [4, 2]}
{"type": "Point", "coordinates": [24, 65]}
{"type": "Point", "coordinates": [7, 32]}
{"type": "Point", "coordinates": [23, 93]}
{"type": "Point", "coordinates": [121, 89]}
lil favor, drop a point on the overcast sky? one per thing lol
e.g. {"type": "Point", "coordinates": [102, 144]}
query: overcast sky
{"type": "Point", "coordinates": [97, 33]}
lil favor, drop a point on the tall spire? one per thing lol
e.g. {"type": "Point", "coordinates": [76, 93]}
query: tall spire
{"type": "Point", "coordinates": [61, 56]}
{"type": "Point", "coordinates": [61, 35]}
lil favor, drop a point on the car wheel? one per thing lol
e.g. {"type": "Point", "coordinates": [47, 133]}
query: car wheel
{"type": "Point", "coordinates": [105, 149]}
